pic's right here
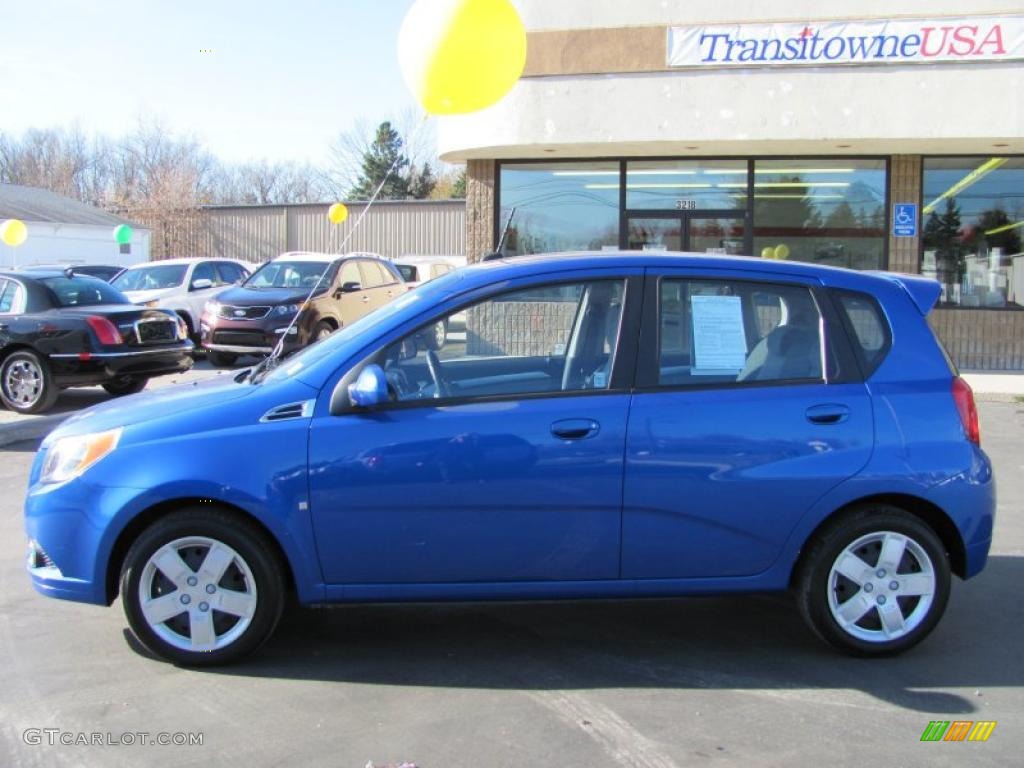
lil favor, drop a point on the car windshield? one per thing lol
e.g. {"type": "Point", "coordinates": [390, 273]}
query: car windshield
{"type": "Point", "coordinates": [83, 291]}
{"type": "Point", "coordinates": [291, 274]}
{"type": "Point", "coordinates": [151, 278]}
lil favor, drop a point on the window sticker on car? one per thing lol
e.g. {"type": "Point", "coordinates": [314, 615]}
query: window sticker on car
{"type": "Point", "coordinates": [719, 340]}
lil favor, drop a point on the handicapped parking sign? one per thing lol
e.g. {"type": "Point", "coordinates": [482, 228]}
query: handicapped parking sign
{"type": "Point", "coordinates": [904, 220]}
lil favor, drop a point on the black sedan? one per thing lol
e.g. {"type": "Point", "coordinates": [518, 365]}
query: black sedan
{"type": "Point", "coordinates": [61, 329]}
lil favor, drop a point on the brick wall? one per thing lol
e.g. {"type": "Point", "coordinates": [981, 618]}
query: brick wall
{"type": "Point", "coordinates": [479, 208]}
{"type": "Point", "coordinates": [905, 187]}
{"type": "Point", "coordinates": [519, 328]}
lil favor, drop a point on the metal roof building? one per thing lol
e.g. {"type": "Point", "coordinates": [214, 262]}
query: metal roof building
{"type": "Point", "coordinates": [65, 231]}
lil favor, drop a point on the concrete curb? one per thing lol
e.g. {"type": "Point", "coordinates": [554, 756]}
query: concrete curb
{"type": "Point", "coordinates": [32, 429]}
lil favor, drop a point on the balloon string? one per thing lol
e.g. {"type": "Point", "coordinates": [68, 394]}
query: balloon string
{"type": "Point", "coordinates": [279, 347]}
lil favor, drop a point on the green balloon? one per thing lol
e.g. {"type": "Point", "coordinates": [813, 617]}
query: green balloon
{"type": "Point", "coordinates": [123, 234]}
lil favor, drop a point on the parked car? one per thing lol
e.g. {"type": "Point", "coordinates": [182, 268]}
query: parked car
{"type": "Point", "coordinates": [617, 425]}
{"type": "Point", "coordinates": [182, 285]}
{"type": "Point", "coordinates": [421, 269]}
{"type": "Point", "coordinates": [251, 318]}
{"type": "Point", "coordinates": [417, 270]}
{"type": "Point", "coordinates": [62, 329]}
{"type": "Point", "coordinates": [105, 272]}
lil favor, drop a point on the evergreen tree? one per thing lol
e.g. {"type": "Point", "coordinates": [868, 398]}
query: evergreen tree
{"type": "Point", "coordinates": [421, 182]}
{"type": "Point", "coordinates": [384, 162]}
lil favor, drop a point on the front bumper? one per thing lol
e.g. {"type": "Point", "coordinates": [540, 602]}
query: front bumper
{"type": "Point", "coordinates": [250, 338]}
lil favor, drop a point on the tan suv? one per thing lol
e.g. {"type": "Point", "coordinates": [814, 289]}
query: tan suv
{"type": "Point", "coordinates": [252, 317]}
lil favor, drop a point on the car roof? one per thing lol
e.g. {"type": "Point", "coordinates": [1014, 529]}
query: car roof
{"type": "Point", "coordinates": [519, 266]}
{"type": "Point", "coordinates": [178, 261]}
{"type": "Point", "coordinates": [321, 258]}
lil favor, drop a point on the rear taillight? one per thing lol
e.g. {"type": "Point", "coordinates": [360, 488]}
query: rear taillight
{"type": "Point", "coordinates": [963, 396]}
{"type": "Point", "coordinates": [106, 332]}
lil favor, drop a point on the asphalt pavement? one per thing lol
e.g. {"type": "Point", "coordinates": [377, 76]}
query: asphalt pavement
{"type": "Point", "coordinates": [734, 681]}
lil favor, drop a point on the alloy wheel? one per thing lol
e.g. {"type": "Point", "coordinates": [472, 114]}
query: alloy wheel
{"type": "Point", "coordinates": [197, 594]}
{"type": "Point", "coordinates": [23, 382]}
{"type": "Point", "coordinates": [881, 586]}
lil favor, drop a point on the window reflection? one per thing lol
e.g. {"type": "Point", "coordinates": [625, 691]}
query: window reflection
{"type": "Point", "coordinates": [973, 223]}
{"type": "Point", "coordinates": [560, 206]}
{"type": "Point", "coordinates": [686, 185]}
{"type": "Point", "coordinates": [821, 211]}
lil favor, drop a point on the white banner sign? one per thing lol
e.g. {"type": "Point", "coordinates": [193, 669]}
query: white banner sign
{"type": "Point", "coordinates": [848, 42]}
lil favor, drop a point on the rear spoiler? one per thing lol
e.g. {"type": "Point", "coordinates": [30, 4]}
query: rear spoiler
{"type": "Point", "coordinates": [923, 291]}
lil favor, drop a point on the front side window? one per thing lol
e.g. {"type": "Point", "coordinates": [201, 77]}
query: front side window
{"type": "Point", "coordinates": [717, 332]}
{"type": "Point", "coordinates": [972, 230]}
{"type": "Point", "coordinates": [153, 278]}
{"type": "Point", "coordinates": [553, 339]}
{"type": "Point", "coordinates": [229, 273]}
{"type": "Point", "coordinates": [204, 271]}
{"type": "Point", "coordinates": [350, 274]}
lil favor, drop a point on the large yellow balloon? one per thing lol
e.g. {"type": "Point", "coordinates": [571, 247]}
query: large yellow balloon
{"type": "Point", "coordinates": [459, 56]}
{"type": "Point", "coordinates": [337, 213]}
{"type": "Point", "coordinates": [13, 232]}
{"type": "Point", "coordinates": [782, 251]}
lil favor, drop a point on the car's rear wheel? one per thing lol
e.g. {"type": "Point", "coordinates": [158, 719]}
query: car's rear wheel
{"type": "Point", "coordinates": [435, 337]}
{"type": "Point", "coordinates": [126, 385]}
{"type": "Point", "coordinates": [202, 587]}
{"type": "Point", "coordinates": [26, 383]}
{"type": "Point", "coordinates": [874, 582]}
{"type": "Point", "coordinates": [221, 359]}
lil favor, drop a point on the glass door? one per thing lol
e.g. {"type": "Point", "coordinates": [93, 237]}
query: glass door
{"type": "Point", "coordinates": [654, 233]}
{"type": "Point", "coordinates": [686, 232]}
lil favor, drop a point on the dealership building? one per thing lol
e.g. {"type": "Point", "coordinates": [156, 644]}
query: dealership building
{"type": "Point", "coordinates": [866, 135]}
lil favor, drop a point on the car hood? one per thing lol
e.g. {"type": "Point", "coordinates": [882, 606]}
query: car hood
{"type": "Point", "coordinates": [154, 294]}
{"type": "Point", "coordinates": [153, 405]}
{"type": "Point", "coordinates": [258, 297]}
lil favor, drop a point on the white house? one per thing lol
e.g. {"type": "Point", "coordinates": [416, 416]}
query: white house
{"type": "Point", "coordinates": [65, 231]}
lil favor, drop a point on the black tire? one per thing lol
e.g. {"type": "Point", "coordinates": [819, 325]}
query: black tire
{"type": "Point", "coordinates": [867, 635]}
{"type": "Point", "coordinates": [322, 330]}
{"type": "Point", "coordinates": [435, 336]}
{"type": "Point", "coordinates": [26, 382]}
{"type": "Point", "coordinates": [126, 385]}
{"type": "Point", "coordinates": [225, 528]}
{"type": "Point", "coordinates": [221, 359]}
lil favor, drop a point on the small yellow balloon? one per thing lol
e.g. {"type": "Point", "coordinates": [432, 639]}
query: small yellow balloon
{"type": "Point", "coordinates": [458, 56]}
{"type": "Point", "coordinates": [782, 251]}
{"type": "Point", "coordinates": [767, 252]}
{"type": "Point", "coordinates": [13, 232]}
{"type": "Point", "coordinates": [337, 213]}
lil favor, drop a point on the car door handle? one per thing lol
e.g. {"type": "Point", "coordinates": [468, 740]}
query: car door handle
{"type": "Point", "coordinates": [365, 299]}
{"type": "Point", "coordinates": [575, 429]}
{"type": "Point", "coordinates": [830, 413]}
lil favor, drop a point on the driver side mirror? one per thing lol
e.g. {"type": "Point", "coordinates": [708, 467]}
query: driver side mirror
{"type": "Point", "coordinates": [351, 287]}
{"type": "Point", "coordinates": [201, 284]}
{"type": "Point", "coordinates": [370, 388]}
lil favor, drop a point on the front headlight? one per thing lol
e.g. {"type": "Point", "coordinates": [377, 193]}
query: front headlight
{"type": "Point", "coordinates": [286, 309]}
{"type": "Point", "coordinates": [212, 308]}
{"type": "Point", "coordinates": [71, 456]}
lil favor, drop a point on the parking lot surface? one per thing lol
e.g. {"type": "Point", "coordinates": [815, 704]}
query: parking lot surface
{"type": "Point", "coordinates": [734, 681]}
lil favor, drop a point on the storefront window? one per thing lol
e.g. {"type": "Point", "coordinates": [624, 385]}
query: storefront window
{"type": "Point", "coordinates": [560, 206]}
{"type": "Point", "coordinates": [973, 224]}
{"type": "Point", "coordinates": [821, 211]}
{"type": "Point", "coordinates": [686, 185]}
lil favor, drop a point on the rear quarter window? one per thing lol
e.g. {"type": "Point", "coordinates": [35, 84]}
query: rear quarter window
{"type": "Point", "coordinates": [867, 327]}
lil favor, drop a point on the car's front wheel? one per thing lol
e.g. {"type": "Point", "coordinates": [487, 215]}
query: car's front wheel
{"type": "Point", "coordinates": [874, 582]}
{"type": "Point", "coordinates": [202, 587]}
{"type": "Point", "coordinates": [26, 383]}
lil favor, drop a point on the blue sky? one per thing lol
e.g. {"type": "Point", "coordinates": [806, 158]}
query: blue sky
{"type": "Point", "coordinates": [283, 79]}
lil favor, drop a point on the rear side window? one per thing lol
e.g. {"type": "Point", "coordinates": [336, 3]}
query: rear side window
{"type": "Point", "coordinates": [373, 275]}
{"type": "Point", "coordinates": [7, 291]}
{"type": "Point", "coordinates": [717, 332]}
{"type": "Point", "coordinates": [866, 326]}
{"type": "Point", "coordinates": [81, 291]}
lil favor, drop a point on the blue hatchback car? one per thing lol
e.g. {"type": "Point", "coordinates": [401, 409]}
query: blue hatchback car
{"type": "Point", "coordinates": [595, 425]}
